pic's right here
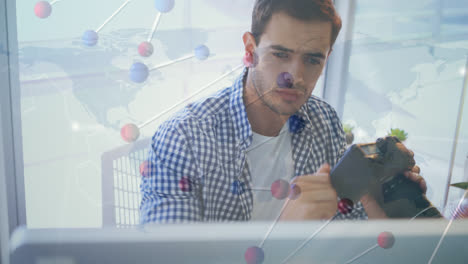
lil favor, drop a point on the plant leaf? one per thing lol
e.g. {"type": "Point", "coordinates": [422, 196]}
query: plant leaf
{"type": "Point", "coordinates": [399, 133]}
{"type": "Point", "coordinates": [461, 185]}
{"type": "Point", "coordinates": [347, 128]}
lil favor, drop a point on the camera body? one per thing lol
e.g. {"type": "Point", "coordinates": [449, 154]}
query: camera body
{"type": "Point", "coordinates": [377, 169]}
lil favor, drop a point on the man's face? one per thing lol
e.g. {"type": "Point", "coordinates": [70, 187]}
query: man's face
{"type": "Point", "coordinates": [291, 56]}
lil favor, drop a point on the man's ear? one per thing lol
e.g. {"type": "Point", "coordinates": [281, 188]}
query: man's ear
{"type": "Point", "coordinates": [249, 42]}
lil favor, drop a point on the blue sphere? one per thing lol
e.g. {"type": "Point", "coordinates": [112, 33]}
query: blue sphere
{"type": "Point", "coordinates": [296, 124]}
{"type": "Point", "coordinates": [202, 52]}
{"type": "Point", "coordinates": [238, 187]}
{"type": "Point", "coordinates": [139, 72]}
{"type": "Point", "coordinates": [164, 6]}
{"type": "Point", "coordinates": [90, 38]}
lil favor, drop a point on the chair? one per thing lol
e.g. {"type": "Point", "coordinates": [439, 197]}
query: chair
{"type": "Point", "coordinates": [120, 184]}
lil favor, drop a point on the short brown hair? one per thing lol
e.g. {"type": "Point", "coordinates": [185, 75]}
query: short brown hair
{"type": "Point", "coordinates": [308, 10]}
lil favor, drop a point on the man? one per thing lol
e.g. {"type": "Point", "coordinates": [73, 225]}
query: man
{"type": "Point", "coordinates": [216, 159]}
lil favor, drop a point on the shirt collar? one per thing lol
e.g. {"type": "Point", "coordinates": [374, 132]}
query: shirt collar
{"type": "Point", "coordinates": [242, 127]}
{"type": "Point", "coordinates": [238, 112]}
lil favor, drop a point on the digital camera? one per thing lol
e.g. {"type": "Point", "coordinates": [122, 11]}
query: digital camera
{"type": "Point", "coordinates": [377, 169]}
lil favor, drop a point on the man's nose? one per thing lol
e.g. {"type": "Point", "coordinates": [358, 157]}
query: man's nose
{"type": "Point", "coordinates": [297, 71]}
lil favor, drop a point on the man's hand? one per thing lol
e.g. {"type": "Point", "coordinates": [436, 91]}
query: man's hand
{"type": "Point", "coordinates": [414, 176]}
{"type": "Point", "coordinates": [317, 198]}
{"type": "Point", "coordinates": [371, 206]}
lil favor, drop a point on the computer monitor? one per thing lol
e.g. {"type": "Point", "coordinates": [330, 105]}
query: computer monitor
{"type": "Point", "coordinates": [416, 241]}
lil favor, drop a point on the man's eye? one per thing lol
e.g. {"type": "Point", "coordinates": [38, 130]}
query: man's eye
{"type": "Point", "coordinates": [280, 54]}
{"type": "Point", "coordinates": [313, 61]}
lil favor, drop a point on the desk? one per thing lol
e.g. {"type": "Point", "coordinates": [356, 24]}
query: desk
{"type": "Point", "coordinates": [338, 242]}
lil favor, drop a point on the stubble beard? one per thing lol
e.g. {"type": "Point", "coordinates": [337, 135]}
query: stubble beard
{"type": "Point", "coordinates": [266, 98]}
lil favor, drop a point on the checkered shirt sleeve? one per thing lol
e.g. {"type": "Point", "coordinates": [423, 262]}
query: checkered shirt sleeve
{"type": "Point", "coordinates": [170, 189]}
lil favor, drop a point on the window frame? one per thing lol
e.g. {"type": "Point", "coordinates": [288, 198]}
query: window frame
{"type": "Point", "coordinates": [336, 74]}
{"type": "Point", "coordinates": [11, 147]}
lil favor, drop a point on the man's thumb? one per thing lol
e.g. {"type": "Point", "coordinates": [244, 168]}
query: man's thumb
{"type": "Point", "coordinates": [325, 168]}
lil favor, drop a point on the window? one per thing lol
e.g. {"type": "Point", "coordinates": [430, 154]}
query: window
{"type": "Point", "coordinates": [406, 71]}
{"type": "Point", "coordinates": [76, 98]}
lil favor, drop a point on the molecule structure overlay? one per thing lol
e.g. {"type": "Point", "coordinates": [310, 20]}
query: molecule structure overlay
{"type": "Point", "coordinates": [254, 255]}
{"type": "Point", "coordinates": [90, 38]}
{"type": "Point", "coordinates": [296, 124]}
{"type": "Point", "coordinates": [237, 187]}
{"type": "Point", "coordinates": [130, 132]}
{"type": "Point", "coordinates": [250, 60]}
{"type": "Point", "coordinates": [164, 6]}
{"type": "Point", "coordinates": [138, 72]}
{"type": "Point", "coordinates": [345, 206]}
{"type": "Point", "coordinates": [285, 80]}
{"type": "Point", "coordinates": [43, 9]}
{"type": "Point", "coordinates": [184, 184]}
{"type": "Point", "coordinates": [145, 167]}
{"type": "Point", "coordinates": [145, 49]}
{"type": "Point", "coordinates": [280, 189]}
{"type": "Point", "coordinates": [247, 61]}
{"type": "Point", "coordinates": [386, 240]}
{"type": "Point", "coordinates": [461, 211]}
{"type": "Point", "coordinates": [202, 52]}
{"type": "Point", "coordinates": [295, 191]}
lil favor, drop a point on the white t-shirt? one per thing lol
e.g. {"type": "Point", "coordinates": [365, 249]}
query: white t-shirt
{"type": "Point", "coordinates": [269, 159]}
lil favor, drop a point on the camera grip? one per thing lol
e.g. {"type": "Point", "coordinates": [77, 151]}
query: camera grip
{"type": "Point", "coordinates": [351, 175]}
{"type": "Point", "coordinates": [404, 198]}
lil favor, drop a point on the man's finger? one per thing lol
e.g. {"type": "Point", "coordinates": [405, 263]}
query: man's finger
{"type": "Point", "coordinates": [325, 168]}
{"type": "Point", "coordinates": [416, 169]}
{"type": "Point", "coordinates": [319, 195]}
{"type": "Point", "coordinates": [372, 208]}
{"type": "Point", "coordinates": [321, 176]}
{"type": "Point", "coordinates": [415, 177]}
{"type": "Point", "coordinates": [318, 178]}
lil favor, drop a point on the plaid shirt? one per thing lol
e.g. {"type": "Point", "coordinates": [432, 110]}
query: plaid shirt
{"type": "Point", "coordinates": [197, 161]}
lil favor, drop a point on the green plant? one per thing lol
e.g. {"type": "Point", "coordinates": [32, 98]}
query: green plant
{"type": "Point", "coordinates": [399, 133]}
{"type": "Point", "coordinates": [461, 185]}
{"type": "Point", "coordinates": [348, 128]}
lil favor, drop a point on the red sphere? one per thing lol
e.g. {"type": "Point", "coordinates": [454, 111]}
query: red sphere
{"type": "Point", "coordinates": [184, 184]}
{"type": "Point", "coordinates": [250, 60]}
{"type": "Point", "coordinates": [42, 9]}
{"type": "Point", "coordinates": [130, 132]}
{"type": "Point", "coordinates": [254, 255]}
{"type": "Point", "coordinates": [386, 240]}
{"type": "Point", "coordinates": [294, 192]}
{"type": "Point", "coordinates": [145, 168]}
{"type": "Point", "coordinates": [247, 61]}
{"type": "Point", "coordinates": [280, 189]}
{"type": "Point", "coordinates": [345, 206]}
{"type": "Point", "coordinates": [145, 49]}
